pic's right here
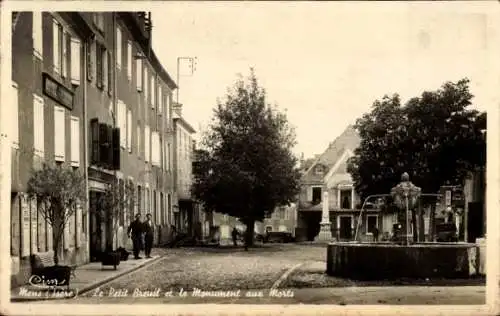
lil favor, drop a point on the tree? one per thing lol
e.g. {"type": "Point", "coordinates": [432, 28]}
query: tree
{"type": "Point", "coordinates": [246, 167]}
{"type": "Point", "coordinates": [436, 138]}
{"type": "Point", "coordinates": [112, 205]}
{"type": "Point", "coordinates": [58, 190]}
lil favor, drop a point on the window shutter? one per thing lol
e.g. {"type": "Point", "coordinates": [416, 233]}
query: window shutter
{"type": "Point", "coordinates": [103, 145]}
{"type": "Point", "coordinates": [64, 44]}
{"type": "Point", "coordinates": [105, 74]}
{"type": "Point", "coordinates": [75, 61]}
{"type": "Point", "coordinates": [110, 149]}
{"type": "Point", "coordinates": [110, 74]}
{"type": "Point", "coordinates": [309, 194]}
{"type": "Point", "coordinates": [94, 128]}
{"type": "Point", "coordinates": [37, 34]}
{"type": "Point", "coordinates": [99, 66]}
{"type": "Point", "coordinates": [138, 72]}
{"type": "Point", "coordinates": [129, 60]}
{"type": "Point", "coordinates": [129, 130]}
{"type": "Point", "coordinates": [118, 48]}
{"type": "Point", "coordinates": [93, 55]}
{"type": "Point", "coordinates": [59, 133]}
{"type": "Point", "coordinates": [38, 122]}
{"type": "Point", "coordinates": [146, 143]}
{"type": "Point", "coordinates": [116, 148]}
{"type": "Point", "coordinates": [15, 115]}
{"type": "Point", "coordinates": [167, 106]}
{"type": "Point", "coordinates": [146, 90]}
{"type": "Point", "coordinates": [160, 99]}
{"type": "Point", "coordinates": [56, 49]}
{"type": "Point", "coordinates": [89, 59]}
{"type": "Point", "coordinates": [75, 141]}
{"type": "Point", "coordinates": [153, 88]}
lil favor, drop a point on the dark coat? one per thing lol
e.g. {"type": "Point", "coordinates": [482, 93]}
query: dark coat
{"type": "Point", "coordinates": [149, 230]}
{"type": "Point", "coordinates": [136, 228]}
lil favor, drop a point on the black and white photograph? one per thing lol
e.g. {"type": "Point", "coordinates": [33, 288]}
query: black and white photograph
{"type": "Point", "coordinates": [254, 157]}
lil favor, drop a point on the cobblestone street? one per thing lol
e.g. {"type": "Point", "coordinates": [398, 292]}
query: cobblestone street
{"type": "Point", "coordinates": [273, 273]}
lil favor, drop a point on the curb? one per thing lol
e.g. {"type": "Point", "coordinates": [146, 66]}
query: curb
{"type": "Point", "coordinates": [114, 277]}
{"type": "Point", "coordinates": [89, 287]}
{"type": "Point", "coordinates": [285, 275]}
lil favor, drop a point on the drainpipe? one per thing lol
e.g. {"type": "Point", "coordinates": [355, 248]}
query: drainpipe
{"type": "Point", "coordinates": [85, 148]}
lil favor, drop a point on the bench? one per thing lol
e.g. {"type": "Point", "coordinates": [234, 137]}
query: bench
{"type": "Point", "coordinates": [41, 262]}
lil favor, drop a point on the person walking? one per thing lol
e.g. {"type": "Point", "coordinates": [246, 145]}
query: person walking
{"type": "Point", "coordinates": [135, 231]}
{"type": "Point", "coordinates": [235, 234]}
{"type": "Point", "coordinates": [148, 235]}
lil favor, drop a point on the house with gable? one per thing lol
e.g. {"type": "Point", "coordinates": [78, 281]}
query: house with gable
{"type": "Point", "coordinates": [329, 172]}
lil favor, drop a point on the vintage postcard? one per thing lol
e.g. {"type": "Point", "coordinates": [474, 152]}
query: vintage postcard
{"type": "Point", "coordinates": [186, 157]}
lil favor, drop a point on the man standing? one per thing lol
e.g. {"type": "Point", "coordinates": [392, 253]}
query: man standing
{"type": "Point", "coordinates": [149, 234]}
{"type": "Point", "coordinates": [136, 228]}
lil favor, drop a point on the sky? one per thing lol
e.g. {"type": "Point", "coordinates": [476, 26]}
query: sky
{"type": "Point", "coordinates": [325, 63]}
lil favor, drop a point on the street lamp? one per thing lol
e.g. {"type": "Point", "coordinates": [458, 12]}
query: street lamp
{"type": "Point", "coordinates": [193, 62]}
{"type": "Point", "coordinates": [405, 196]}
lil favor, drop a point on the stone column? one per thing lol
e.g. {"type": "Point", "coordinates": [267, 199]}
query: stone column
{"type": "Point", "coordinates": [325, 233]}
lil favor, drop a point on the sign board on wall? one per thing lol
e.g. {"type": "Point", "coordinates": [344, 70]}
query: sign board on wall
{"type": "Point", "coordinates": [25, 237]}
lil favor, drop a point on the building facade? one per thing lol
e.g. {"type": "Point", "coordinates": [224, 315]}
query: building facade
{"type": "Point", "coordinates": [48, 105]}
{"type": "Point", "coordinates": [88, 91]}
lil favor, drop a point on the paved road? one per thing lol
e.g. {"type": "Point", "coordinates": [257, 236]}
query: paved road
{"type": "Point", "coordinates": [216, 275]}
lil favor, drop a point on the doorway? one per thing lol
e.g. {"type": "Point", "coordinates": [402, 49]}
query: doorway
{"type": "Point", "coordinates": [475, 221]}
{"type": "Point", "coordinates": [345, 232]}
{"type": "Point", "coordinates": [95, 228]}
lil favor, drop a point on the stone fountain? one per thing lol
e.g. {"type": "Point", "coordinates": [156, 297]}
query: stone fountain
{"type": "Point", "coordinates": [402, 258]}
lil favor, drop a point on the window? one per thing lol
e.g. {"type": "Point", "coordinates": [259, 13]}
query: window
{"type": "Point", "coordinates": [119, 43]}
{"type": "Point", "coordinates": [101, 67]}
{"type": "Point", "coordinates": [316, 195]}
{"type": "Point", "coordinates": [38, 126]}
{"type": "Point", "coordinates": [138, 73]}
{"type": "Point", "coordinates": [168, 157]}
{"type": "Point", "coordinates": [15, 115]}
{"type": "Point", "coordinates": [319, 170]}
{"type": "Point", "coordinates": [159, 95]}
{"type": "Point", "coordinates": [129, 130]}
{"type": "Point", "coordinates": [167, 105]}
{"type": "Point", "coordinates": [346, 199]}
{"type": "Point", "coordinates": [56, 46]}
{"type": "Point", "coordinates": [75, 141]}
{"type": "Point", "coordinates": [153, 91]}
{"type": "Point", "coordinates": [146, 91]}
{"type": "Point", "coordinates": [64, 54]}
{"type": "Point", "coordinates": [75, 60]}
{"type": "Point", "coordinates": [37, 35]}
{"type": "Point", "coordinates": [129, 60]}
{"type": "Point", "coordinates": [59, 133]}
{"type": "Point", "coordinates": [90, 59]}
{"type": "Point", "coordinates": [122, 123]}
{"type": "Point", "coordinates": [109, 73]}
{"type": "Point", "coordinates": [155, 143]}
{"type": "Point", "coordinates": [146, 143]}
{"type": "Point", "coordinates": [371, 223]}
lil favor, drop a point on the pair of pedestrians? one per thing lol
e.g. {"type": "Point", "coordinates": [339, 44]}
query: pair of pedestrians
{"type": "Point", "coordinates": [138, 231]}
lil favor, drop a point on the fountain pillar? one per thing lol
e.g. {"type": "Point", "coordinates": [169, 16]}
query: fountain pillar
{"type": "Point", "coordinates": [325, 233]}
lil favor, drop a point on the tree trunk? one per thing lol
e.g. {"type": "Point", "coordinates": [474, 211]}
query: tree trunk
{"type": "Point", "coordinates": [56, 241]}
{"type": "Point", "coordinates": [249, 233]}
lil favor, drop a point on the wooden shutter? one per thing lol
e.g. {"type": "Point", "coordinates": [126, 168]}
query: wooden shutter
{"type": "Point", "coordinates": [129, 130]}
{"type": "Point", "coordinates": [110, 74]}
{"type": "Point", "coordinates": [89, 60]}
{"type": "Point", "coordinates": [116, 149]}
{"type": "Point", "coordinates": [99, 64]}
{"type": "Point", "coordinates": [75, 141]}
{"type": "Point", "coordinates": [94, 129]}
{"type": "Point", "coordinates": [60, 133]}
{"type": "Point", "coordinates": [105, 67]}
{"type": "Point", "coordinates": [56, 48]}
{"type": "Point", "coordinates": [37, 34]}
{"type": "Point", "coordinates": [129, 60]}
{"type": "Point", "coordinates": [103, 144]}
{"type": "Point", "coordinates": [138, 73]}
{"type": "Point", "coordinates": [75, 60]}
{"type": "Point", "coordinates": [110, 161]}
{"type": "Point", "coordinates": [64, 59]}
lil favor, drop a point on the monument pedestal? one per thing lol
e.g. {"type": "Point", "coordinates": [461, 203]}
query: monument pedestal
{"type": "Point", "coordinates": [325, 233]}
